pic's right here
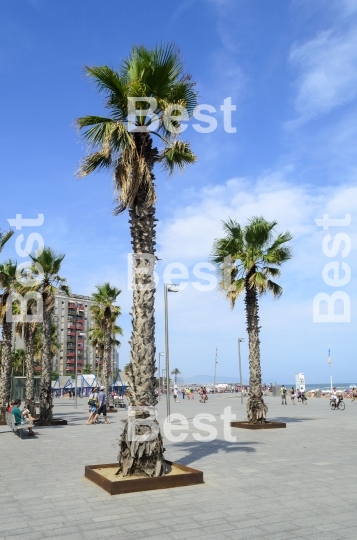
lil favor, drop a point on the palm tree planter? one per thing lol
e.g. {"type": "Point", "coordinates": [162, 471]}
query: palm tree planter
{"type": "Point", "coordinates": [246, 260]}
{"type": "Point", "coordinates": [129, 153]}
{"type": "Point", "coordinates": [105, 477]}
{"type": "Point", "coordinates": [260, 425]}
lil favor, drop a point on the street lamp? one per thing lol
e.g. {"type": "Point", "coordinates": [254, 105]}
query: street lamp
{"type": "Point", "coordinates": [75, 368]}
{"type": "Point", "coordinates": [168, 288]}
{"type": "Point", "coordinates": [160, 354]}
{"type": "Point", "coordinates": [215, 364]}
{"type": "Point", "coordinates": [240, 340]}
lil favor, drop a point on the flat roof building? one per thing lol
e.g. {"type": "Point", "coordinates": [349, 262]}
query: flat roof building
{"type": "Point", "coordinates": [71, 315]}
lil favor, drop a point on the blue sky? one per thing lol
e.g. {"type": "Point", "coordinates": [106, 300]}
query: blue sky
{"type": "Point", "coordinates": [290, 68]}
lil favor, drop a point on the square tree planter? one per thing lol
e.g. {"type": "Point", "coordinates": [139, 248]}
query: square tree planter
{"type": "Point", "coordinates": [266, 425]}
{"type": "Point", "coordinates": [104, 477]}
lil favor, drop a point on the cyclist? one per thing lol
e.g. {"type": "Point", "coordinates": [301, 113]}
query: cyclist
{"type": "Point", "coordinates": [335, 397]}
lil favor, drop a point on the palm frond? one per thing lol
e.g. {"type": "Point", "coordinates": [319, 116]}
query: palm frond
{"type": "Point", "coordinates": [177, 156]}
{"type": "Point", "coordinates": [276, 289]}
{"type": "Point", "coordinates": [5, 237]}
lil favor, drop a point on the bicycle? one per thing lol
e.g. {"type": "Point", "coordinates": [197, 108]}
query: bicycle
{"type": "Point", "coordinates": [340, 405]}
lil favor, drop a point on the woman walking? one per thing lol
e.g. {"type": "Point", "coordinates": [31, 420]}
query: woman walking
{"type": "Point", "coordinates": [292, 395]}
{"type": "Point", "coordinates": [93, 406]}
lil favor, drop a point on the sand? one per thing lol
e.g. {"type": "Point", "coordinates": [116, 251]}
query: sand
{"type": "Point", "coordinates": [109, 472]}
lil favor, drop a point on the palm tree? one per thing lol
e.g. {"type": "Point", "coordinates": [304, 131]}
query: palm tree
{"type": "Point", "coordinates": [17, 361]}
{"type": "Point", "coordinates": [51, 282]}
{"type": "Point", "coordinates": [87, 369]}
{"type": "Point", "coordinates": [246, 259]}
{"type": "Point", "coordinates": [96, 338]}
{"type": "Point", "coordinates": [8, 285]}
{"type": "Point", "coordinates": [105, 313]}
{"type": "Point", "coordinates": [175, 372]}
{"type": "Point", "coordinates": [27, 330]}
{"type": "Point", "coordinates": [129, 153]}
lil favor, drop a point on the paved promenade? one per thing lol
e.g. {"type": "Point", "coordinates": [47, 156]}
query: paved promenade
{"type": "Point", "coordinates": [298, 482]}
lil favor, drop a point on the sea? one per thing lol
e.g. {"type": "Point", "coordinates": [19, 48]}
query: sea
{"type": "Point", "coordinates": [327, 386]}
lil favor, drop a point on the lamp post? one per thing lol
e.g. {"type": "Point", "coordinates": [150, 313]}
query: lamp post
{"type": "Point", "coordinates": [168, 288]}
{"type": "Point", "coordinates": [215, 365]}
{"type": "Point", "coordinates": [75, 368]}
{"type": "Point", "coordinates": [160, 354]}
{"type": "Point", "coordinates": [330, 362]}
{"type": "Point", "coordinates": [240, 340]}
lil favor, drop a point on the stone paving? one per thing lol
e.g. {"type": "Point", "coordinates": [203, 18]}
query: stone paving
{"type": "Point", "coordinates": [298, 483]}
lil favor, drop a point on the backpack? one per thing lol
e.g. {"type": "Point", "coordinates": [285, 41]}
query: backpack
{"type": "Point", "coordinates": [284, 391]}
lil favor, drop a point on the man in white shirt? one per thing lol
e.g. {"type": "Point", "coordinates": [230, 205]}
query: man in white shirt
{"type": "Point", "coordinates": [335, 396]}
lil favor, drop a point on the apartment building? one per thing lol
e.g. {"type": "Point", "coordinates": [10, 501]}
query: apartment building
{"type": "Point", "coordinates": [72, 316]}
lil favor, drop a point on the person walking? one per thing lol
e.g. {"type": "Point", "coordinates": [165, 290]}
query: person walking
{"type": "Point", "coordinates": [93, 405]}
{"type": "Point", "coordinates": [283, 394]}
{"type": "Point", "coordinates": [183, 393]}
{"type": "Point", "coordinates": [175, 393]}
{"type": "Point", "coordinates": [292, 395]}
{"type": "Point", "coordinates": [102, 400]}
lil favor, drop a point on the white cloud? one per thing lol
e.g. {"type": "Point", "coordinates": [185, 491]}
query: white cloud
{"type": "Point", "coordinates": [200, 321]}
{"type": "Point", "coordinates": [188, 235]}
{"type": "Point", "coordinates": [348, 6]}
{"type": "Point", "coordinates": [328, 73]}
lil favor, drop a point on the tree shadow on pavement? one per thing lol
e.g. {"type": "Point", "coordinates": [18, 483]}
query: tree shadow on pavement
{"type": "Point", "coordinates": [290, 420]}
{"type": "Point", "coordinates": [199, 449]}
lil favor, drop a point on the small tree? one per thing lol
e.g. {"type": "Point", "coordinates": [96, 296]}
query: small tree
{"type": "Point", "coordinates": [87, 369]}
{"type": "Point", "coordinates": [175, 372]}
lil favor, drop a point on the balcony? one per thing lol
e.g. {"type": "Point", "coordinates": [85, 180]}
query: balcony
{"type": "Point", "coordinates": [70, 353]}
{"type": "Point", "coordinates": [81, 308]}
{"type": "Point", "coordinates": [70, 334]}
{"type": "Point", "coordinates": [70, 369]}
{"type": "Point", "coordinates": [71, 327]}
{"type": "Point", "coordinates": [71, 305]}
{"type": "Point", "coordinates": [69, 361]}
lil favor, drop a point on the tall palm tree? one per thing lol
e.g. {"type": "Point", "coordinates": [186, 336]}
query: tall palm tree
{"type": "Point", "coordinates": [8, 284]}
{"type": "Point", "coordinates": [246, 259]}
{"type": "Point", "coordinates": [130, 155]}
{"type": "Point", "coordinates": [96, 338]}
{"type": "Point", "coordinates": [105, 313]}
{"type": "Point", "coordinates": [50, 283]}
{"type": "Point", "coordinates": [27, 331]}
{"type": "Point", "coordinates": [175, 372]}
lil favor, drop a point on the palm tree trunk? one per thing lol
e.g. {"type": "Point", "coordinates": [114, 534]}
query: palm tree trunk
{"type": "Point", "coordinates": [106, 357]}
{"type": "Point", "coordinates": [256, 408]}
{"type": "Point", "coordinates": [45, 383]}
{"type": "Point", "coordinates": [5, 375]}
{"type": "Point", "coordinates": [138, 457]}
{"type": "Point", "coordinates": [30, 381]}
